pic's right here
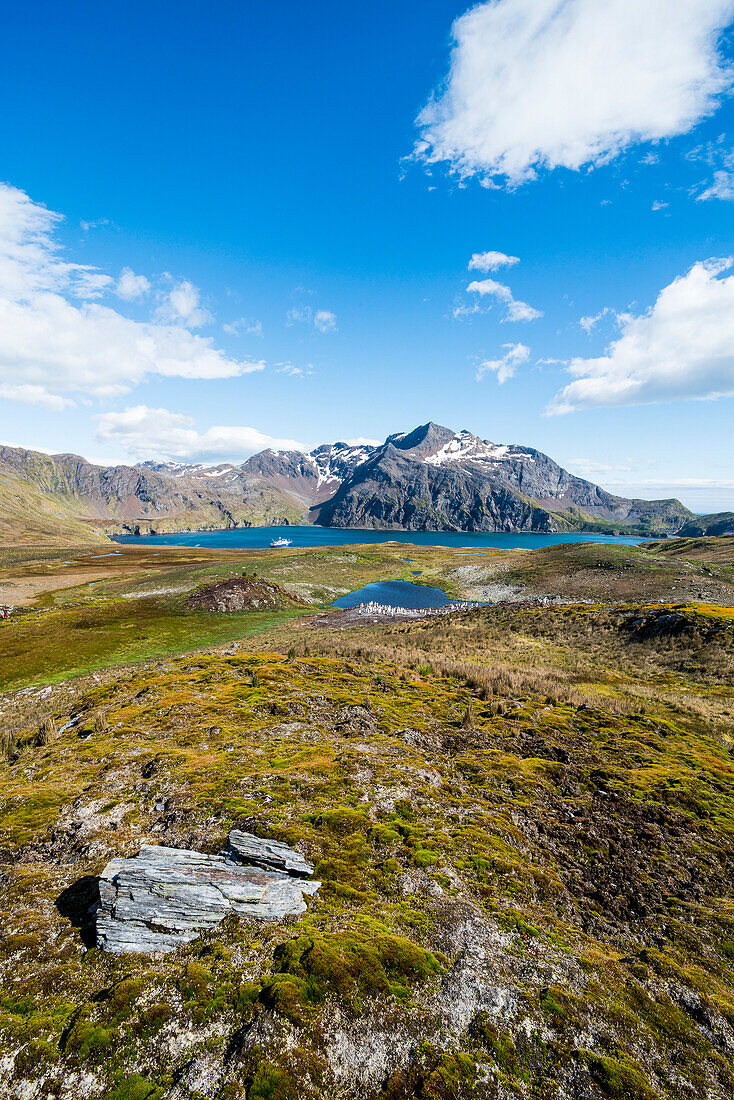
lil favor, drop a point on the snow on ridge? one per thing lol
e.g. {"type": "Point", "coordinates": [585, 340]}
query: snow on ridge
{"type": "Point", "coordinates": [340, 456]}
{"type": "Point", "coordinates": [467, 446]}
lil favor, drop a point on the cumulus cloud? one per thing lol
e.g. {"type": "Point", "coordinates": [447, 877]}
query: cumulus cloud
{"type": "Point", "coordinates": [131, 286]}
{"type": "Point", "coordinates": [566, 83]}
{"type": "Point", "coordinates": [181, 306]}
{"type": "Point", "coordinates": [143, 432]}
{"type": "Point", "coordinates": [491, 261]}
{"type": "Point", "coordinates": [320, 319]}
{"type": "Point", "coordinates": [58, 344]}
{"type": "Point", "coordinates": [515, 310]}
{"type": "Point", "coordinates": [680, 348]}
{"type": "Point", "coordinates": [504, 368]}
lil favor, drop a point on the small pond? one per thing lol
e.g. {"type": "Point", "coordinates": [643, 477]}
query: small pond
{"type": "Point", "coordinates": [395, 594]}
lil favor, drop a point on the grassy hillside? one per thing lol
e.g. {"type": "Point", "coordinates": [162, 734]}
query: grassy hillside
{"type": "Point", "coordinates": [720, 523]}
{"type": "Point", "coordinates": [520, 895]}
{"type": "Point", "coordinates": [132, 604]}
{"type": "Point", "coordinates": [706, 549]}
{"type": "Point", "coordinates": [31, 517]}
{"type": "Point", "coordinates": [522, 817]}
{"type": "Point", "coordinates": [120, 500]}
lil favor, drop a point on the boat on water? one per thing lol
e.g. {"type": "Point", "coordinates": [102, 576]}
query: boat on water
{"type": "Point", "coordinates": [281, 542]}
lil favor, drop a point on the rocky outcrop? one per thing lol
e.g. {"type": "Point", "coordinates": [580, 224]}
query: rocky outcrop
{"type": "Point", "coordinates": [267, 853]}
{"type": "Point", "coordinates": [165, 897]}
{"type": "Point", "coordinates": [245, 593]}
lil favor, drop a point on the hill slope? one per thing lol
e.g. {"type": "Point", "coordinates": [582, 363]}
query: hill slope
{"type": "Point", "coordinates": [720, 523]}
{"type": "Point", "coordinates": [31, 517]}
{"type": "Point", "coordinates": [521, 894]}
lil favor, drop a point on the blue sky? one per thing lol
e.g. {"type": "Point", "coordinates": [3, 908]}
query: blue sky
{"type": "Point", "coordinates": [296, 266]}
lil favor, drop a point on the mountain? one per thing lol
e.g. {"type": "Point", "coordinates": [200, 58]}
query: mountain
{"type": "Point", "coordinates": [429, 479]}
{"type": "Point", "coordinates": [147, 498]}
{"type": "Point", "coordinates": [720, 523]}
{"type": "Point", "coordinates": [435, 479]}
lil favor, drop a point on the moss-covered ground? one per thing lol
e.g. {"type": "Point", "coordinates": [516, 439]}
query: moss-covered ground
{"type": "Point", "coordinates": [522, 817]}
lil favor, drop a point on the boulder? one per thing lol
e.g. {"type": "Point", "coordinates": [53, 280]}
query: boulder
{"type": "Point", "coordinates": [266, 853]}
{"type": "Point", "coordinates": [165, 897]}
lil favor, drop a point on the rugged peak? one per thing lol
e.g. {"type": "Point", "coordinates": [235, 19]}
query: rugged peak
{"type": "Point", "coordinates": [423, 440]}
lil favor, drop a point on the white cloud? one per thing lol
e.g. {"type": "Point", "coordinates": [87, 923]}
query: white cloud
{"type": "Point", "coordinates": [90, 284]}
{"type": "Point", "coordinates": [181, 306]}
{"type": "Point", "coordinates": [721, 188]}
{"type": "Point", "coordinates": [244, 325]}
{"type": "Point", "coordinates": [491, 261]}
{"type": "Point", "coordinates": [681, 348]}
{"type": "Point", "coordinates": [54, 349]}
{"type": "Point", "coordinates": [321, 319]}
{"type": "Point", "coordinates": [566, 83]}
{"type": "Point", "coordinates": [292, 369]}
{"type": "Point", "coordinates": [34, 395]}
{"type": "Point", "coordinates": [131, 286]}
{"type": "Point", "coordinates": [590, 322]}
{"type": "Point", "coordinates": [361, 442]}
{"type": "Point", "coordinates": [324, 320]}
{"type": "Point", "coordinates": [515, 310]}
{"type": "Point", "coordinates": [659, 205]}
{"type": "Point", "coordinates": [87, 226]}
{"type": "Point", "coordinates": [720, 158]}
{"type": "Point", "coordinates": [505, 367]}
{"type": "Point", "coordinates": [143, 432]}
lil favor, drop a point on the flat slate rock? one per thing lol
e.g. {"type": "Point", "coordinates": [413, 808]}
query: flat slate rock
{"type": "Point", "coordinates": [165, 897]}
{"type": "Point", "coordinates": [266, 853]}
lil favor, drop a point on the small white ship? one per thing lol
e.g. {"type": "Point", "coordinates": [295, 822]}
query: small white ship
{"type": "Point", "coordinates": [281, 542]}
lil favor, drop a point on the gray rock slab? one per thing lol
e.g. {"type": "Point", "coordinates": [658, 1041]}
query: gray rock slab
{"type": "Point", "coordinates": [267, 853]}
{"type": "Point", "coordinates": [165, 897]}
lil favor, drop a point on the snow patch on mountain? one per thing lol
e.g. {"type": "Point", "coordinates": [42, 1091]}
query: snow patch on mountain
{"type": "Point", "coordinates": [467, 446]}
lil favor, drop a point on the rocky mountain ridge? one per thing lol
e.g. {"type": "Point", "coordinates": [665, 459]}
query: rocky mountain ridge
{"type": "Point", "coordinates": [429, 479]}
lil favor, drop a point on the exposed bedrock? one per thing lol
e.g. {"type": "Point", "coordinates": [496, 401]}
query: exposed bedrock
{"type": "Point", "coordinates": [165, 897]}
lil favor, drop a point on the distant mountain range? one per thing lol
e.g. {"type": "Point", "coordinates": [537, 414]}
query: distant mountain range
{"type": "Point", "coordinates": [430, 479]}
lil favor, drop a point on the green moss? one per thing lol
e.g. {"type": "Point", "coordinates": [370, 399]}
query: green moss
{"type": "Point", "coordinates": [520, 838]}
{"type": "Point", "coordinates": [89, 1041]}
{"type": "Point", "coordinates": [498, 1043]}
{"type": "Point", "coordinates": [134, 1087]}
{"type": "Point", "coordinates": [451, 1077]}
{"type": "Point", "coordinates": [353, 966]}
{"type": "Point", "coordinates": [272, 1083]}
{"type": "Point", "coordinates": [618, 1077]}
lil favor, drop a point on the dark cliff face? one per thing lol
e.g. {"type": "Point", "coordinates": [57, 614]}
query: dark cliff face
{"type": "Point", "coordinates": [433, 479]}
{"type": "Point", "coordinates": [393, 491]}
